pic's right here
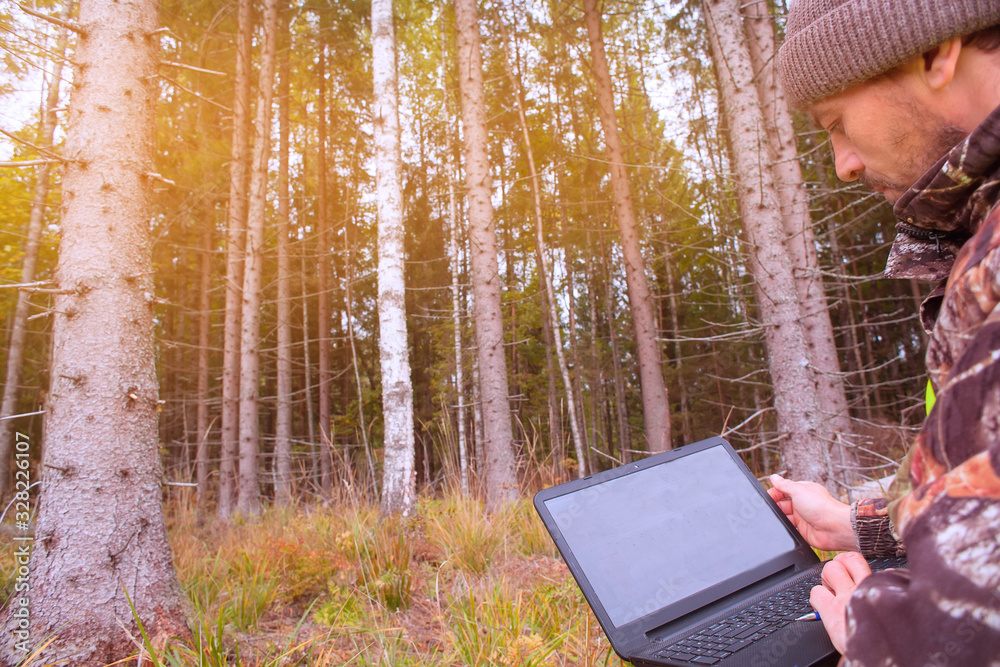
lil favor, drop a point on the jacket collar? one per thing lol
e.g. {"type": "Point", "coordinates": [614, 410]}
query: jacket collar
{"type": "Point", "coordinates": [946, 206]}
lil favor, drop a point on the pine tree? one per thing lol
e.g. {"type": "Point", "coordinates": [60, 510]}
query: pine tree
{"type": "Point", "coordinates": [501, 482]}
{"type": "Point", "coordinates": [100, 543]}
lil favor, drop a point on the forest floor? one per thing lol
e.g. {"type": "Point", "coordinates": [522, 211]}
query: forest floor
{"type": "Point", "coordinates": [341, 585]}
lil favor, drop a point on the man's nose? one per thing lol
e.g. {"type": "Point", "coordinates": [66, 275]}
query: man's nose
{"type": "Point", "coordinates": [849, 165]}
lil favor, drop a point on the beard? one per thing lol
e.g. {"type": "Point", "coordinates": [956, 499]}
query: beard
{"type": "Point", "coordinates": [940, 139]}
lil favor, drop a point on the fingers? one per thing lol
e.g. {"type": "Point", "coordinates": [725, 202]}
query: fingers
{"type": "Point", "coordinates": [780, 485]}
{"type": "Point", "coordinates": [843, 574]}
{"type": "Point", "coordinates": [855, 564]}
{"type": "Point", "coordinates": [822, 600]}
{"type": "Point", "coordinates": [780, 493]}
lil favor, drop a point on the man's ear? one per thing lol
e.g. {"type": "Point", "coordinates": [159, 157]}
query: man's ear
{"type": "Point", "coordinates": [941, 62]}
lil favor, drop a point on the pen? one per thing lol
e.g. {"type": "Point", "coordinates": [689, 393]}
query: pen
{"type": "Point", "coordinates": [811, 616]}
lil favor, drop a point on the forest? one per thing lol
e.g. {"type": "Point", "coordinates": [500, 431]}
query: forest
{"type": "Point", "coordinates": [282, 257]}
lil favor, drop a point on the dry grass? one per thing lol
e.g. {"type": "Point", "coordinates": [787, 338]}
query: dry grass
{"type": "Point", "coordinates": [343, 586]}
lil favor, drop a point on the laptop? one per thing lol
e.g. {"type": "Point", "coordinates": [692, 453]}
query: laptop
{"type": "Point", "coordinates": [686, 560]}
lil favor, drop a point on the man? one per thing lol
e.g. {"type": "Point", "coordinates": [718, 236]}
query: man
{"type": "Point", "coordinates": [909, 91]}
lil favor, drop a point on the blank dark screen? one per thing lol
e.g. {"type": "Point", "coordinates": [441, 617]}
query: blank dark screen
{"type": "Point", "coordinates": [650, 538]}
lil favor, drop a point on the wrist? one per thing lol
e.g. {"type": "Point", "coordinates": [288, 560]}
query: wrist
{"type": "Point", "coordinates": [845, 537]}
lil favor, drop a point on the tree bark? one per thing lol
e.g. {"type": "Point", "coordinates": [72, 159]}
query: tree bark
{"type": "Point", "coordinates": [454, 264]}
{"type": "Point", "coordinates": [498, 454]}
{"type": "Point", "coordinates": [621, 404]}
{"type": "Point", "coordinates": [33, 238]}
{"type": "Point", "coordinates": [398, 474]}
{"type": "Point", "coordinates": [789, 360]}
{"type": "Point", "coordinates": [235, 239]}
{"type": "Point", "coordinates": [323, 310]}
{"type": "Point", "coordinates": [551, 313]}
{"type": "Point", "coordinates": [656, 409]}
{"type": "Point", "coordinates": [202, 423]}
{"type": "Point", "coordinates": [283, 408]}
{"type": "Point", "coordinates": [249, 487]}
{"type": "Point", "coordinates": [100, 531]}
{"type": "Point", "coordinates": [801, 240]}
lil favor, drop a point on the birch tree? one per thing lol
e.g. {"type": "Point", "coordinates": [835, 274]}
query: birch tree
{"type": "Point", "coordinates": [249, 488]}
{"type": "Point", "coordinates": [454, 265]}
{"type": "Point", "coordinates": [656, 409]}
{"type": "Point", "coordinates": [789, 359]}
{"type": "Point", "coordinates": [100, 534]}
{"type": "Point", "coordinates": [398, 475]}
{"type": "Point", "coordinates": [497, 448]}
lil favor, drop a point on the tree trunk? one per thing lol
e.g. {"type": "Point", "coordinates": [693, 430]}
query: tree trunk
{"type": "Point", "coordinates": [283, 408]}
{"type": "Point", "coordinates": [673, 290]}
{"type": "Point", "coordinates": [249, 488]}
{"type": "Point", "coordinates": [235, 238]}
{"type": "Point", "coordinates": [454, 262]}
{"type": "Point", "coordinates": [323, 310]}
{"type": "Point", "coordinates": [314, 464]}
{"type": "Point", "coordinates": [621, 404]}
{"type": "Point", "coordinates": [801, 241]}
{"type": "Point", "coordinates": [498, 453]}
{"type": "Point", "coordinates": [100, 532]}
{"type": "Point", "coordinates": [551, 313]}
{"type": "Point", "coordinates": [456, 322]}
{"type": "Point", "coordinates": [202, 423]}
{"type": "Point", "coordinates": [19, 325]}
{"type": "Point", "coordinates": [398, 474]}
{"type": "Point", "coordinates": [792, 375]}
{"type": "Point", "coordinates": [656, 409]}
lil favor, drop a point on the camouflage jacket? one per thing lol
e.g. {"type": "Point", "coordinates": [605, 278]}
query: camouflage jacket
{"type": "Point", "coordinates": [945, 610]}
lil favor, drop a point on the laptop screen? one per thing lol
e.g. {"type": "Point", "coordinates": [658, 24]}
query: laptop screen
{"type": "Point", "coordinates": [658, 535]}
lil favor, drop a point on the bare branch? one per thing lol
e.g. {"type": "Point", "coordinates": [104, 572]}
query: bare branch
{"type": "Point", "coordinates": [44, 151]}
{"type": "Point", "coordinates": [28, 163]}
{"type": "Point", "coordinates": [69, 25]}
{"type": "Point", "coordinates": [39, 283]}
{"type": "Point", "coordinates": [170, 63]}
{"type": "Point", "coordinates": [157, 177]}
{"type": "Point", "coordinates": [191, 92]}
{"type": "Point", "coordinates": [23, 414]}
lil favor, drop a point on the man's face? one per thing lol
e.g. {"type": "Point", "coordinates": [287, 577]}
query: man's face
{"type": "Point", "coordinates": [883, 136]}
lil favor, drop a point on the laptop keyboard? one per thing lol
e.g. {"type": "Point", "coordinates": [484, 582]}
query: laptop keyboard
{"type": "Point", "coordinates": [728, 635]}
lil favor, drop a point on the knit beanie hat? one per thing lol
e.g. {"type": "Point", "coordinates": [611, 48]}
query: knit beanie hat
{"type": "Point", "coordinates": [832, 44]}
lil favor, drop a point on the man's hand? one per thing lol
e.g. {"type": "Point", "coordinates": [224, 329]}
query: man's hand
{"type": "Point", "coordinates": [841, 577]}
{"type": "Point", "coordinates": [821, 519]}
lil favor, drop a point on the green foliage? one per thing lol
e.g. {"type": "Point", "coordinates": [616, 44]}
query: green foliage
{"type": "Point", "coordinates": [252, 590]}
{"type": "Point", "coordinates": [465, 535]}
{"type": "Point", "coordinates": [498, 627]}
{"type": "Point", "coordinates": [384, 554]}
{"type": "Point", "coordinates": [341, 609]}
